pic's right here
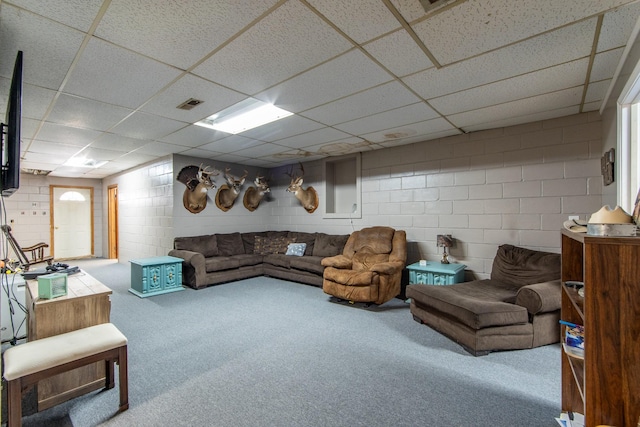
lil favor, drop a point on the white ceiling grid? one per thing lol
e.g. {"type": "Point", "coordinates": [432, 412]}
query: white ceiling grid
{"type": "Point", "coordinates": [103, 78]}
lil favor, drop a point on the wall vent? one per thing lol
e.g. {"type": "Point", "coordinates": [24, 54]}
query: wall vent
{"type": "Point", "coordinates": [189, 104]}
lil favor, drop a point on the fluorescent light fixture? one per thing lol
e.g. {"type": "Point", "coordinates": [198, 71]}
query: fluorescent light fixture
{"type": "Point", "coordinates": [83, 162]}
{"type": "Point", "coordinates": [244, 115]}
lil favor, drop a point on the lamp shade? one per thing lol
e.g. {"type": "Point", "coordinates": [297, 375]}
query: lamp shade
{"type": "Point", "coordinates": [444, 241]}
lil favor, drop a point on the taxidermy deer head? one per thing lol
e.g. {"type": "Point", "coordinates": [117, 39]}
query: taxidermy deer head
{"type": "Point", "coordinates": [308, 198]}
{"type": "Point", "coordinates": [198, 181]}
{"type": "Point", "coordinates": [228, 193]}
{"type": "Point", "coordinates": [253, 195]}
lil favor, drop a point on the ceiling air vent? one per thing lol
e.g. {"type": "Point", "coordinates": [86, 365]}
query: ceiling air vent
{"type": "Point", "coordinates": [431, 5]}
{"type": "Point", "coordinates": [189, 104]}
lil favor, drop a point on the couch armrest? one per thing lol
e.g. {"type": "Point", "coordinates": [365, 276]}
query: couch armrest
{"type": "Point", "coordinates": [338, 261]}
{"type": "Point", "coordinates": [540, 297]}
{"type": "Point", "coordinates": [193, 267]}
{"type": "Point", "coordinates": [390, 267]}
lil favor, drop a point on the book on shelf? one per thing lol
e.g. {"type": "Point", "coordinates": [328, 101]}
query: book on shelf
{"type": "Point", "coordinates": [573, 343]}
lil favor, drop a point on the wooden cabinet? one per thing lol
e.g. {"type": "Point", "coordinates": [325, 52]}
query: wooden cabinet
{"type": "Point", "coordinates": [87, 303]}
{"type": "Point", "coordinates": [605, 386]}
{"type": "Point", "coordinates": [156, 275]}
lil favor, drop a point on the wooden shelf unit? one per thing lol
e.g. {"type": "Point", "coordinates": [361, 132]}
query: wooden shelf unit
{"type": "Point", "coordinates": [605, 386]}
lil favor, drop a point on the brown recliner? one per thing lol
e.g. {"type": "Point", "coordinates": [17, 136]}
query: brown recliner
{"type": "Point", "coordinates": [370, 267]}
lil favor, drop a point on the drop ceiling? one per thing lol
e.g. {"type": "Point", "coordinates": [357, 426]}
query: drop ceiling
{"type": "Point", "coordinates": [104, 79]}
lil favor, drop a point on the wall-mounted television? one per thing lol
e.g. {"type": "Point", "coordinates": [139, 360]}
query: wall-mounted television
{"type": "Point", "coordinates": [10, 172]}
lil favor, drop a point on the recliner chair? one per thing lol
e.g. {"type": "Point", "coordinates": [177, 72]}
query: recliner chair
{"type": "Point", "coordinates": [370, 267]}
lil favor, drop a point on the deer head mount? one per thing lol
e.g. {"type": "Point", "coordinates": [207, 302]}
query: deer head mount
{"type": "Point", "coordinates": [228, 193]}
{"type": "Point", "coordinates": [198, 181]}
{"type": "Point", "coordinates": [254, 195]}
{"type": "Point", "coordinates": [308, 198]}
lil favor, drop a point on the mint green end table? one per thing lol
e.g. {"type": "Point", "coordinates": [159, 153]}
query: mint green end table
{"type": "Point", "coordinates": [436, 273]}
{"type": "Point", "coordinates": [156, 275]}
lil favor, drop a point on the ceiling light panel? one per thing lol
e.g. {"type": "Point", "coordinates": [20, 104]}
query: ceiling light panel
{"type": "Point", "coordinates": [245, 115]}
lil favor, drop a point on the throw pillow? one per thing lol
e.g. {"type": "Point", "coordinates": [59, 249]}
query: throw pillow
{"type": "Point", "coordinates": [296, 249]}
{"type": "Point", "coordinates": [276, 245]}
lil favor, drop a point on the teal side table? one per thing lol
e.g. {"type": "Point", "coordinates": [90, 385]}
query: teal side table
{"type": "Point", "coordinates": [155, 276]}
{"type": "Point", "coordinates": [435, 273]}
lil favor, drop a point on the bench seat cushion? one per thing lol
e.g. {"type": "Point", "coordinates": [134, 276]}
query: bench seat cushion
{"type": "Point", "coordinates": [45, 353]}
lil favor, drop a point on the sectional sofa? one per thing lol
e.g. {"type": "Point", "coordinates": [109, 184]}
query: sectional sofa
{"type": "Point", "coordinates": [224, 257]}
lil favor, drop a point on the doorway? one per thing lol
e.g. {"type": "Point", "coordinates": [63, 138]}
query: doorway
{"type": "Point", "coordinates": [72, 222]}
{"type": "Point", "coordinates": [112, 201]}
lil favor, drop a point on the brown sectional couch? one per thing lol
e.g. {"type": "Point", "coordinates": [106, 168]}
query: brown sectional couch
{"type": "Point", "coordinates": [224, 257]}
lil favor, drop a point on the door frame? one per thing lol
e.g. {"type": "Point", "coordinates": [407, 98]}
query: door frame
{"type": "Point", "coordinates": [112, 221]}
{"type": "Point", "coordinates": [52, 216]}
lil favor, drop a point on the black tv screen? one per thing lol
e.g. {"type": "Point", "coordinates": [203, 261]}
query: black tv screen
{"type": "Point", "coordinates": [10, 174]}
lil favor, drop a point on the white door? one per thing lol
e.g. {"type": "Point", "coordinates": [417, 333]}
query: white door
{"type": "Point", "coordinates": [72, 222]}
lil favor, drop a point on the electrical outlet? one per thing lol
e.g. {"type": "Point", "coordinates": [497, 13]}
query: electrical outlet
{"type": "Point", "coordinates": [574, 217]}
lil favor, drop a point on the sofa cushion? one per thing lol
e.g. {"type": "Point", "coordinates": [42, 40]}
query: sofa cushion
{"type": "Point", "coordinates": [272, 245]}
{"type": "Point", "coordinates": [278, 260]}
{"type": "Point", "coordinates": [296, 249]}
{"type": "Point", "coordinates": [478, 304]}
{"type": "Point", "coordinates": [520, 266]}
{"type": "Point", "coordinates": [221, 263]}
{"type": "Point", "coordinates": [376, 240]}
{"type": "Point", "coordinates": [248, 240]}
{"type": "Point", "coordinates": [207, 244]}
{"type": "Point", "coordinates": [248, 259]}
{"type": "Point", "coordinates": [311, 264]}
{"type": "Point", "coordinates": [230, 244]}
{"type": "Point", "coordinates": [540, 297]}
{"type": "Point", "coordinates": [302, 237]}
{"type": "Point", "coordinates": [329, 245]}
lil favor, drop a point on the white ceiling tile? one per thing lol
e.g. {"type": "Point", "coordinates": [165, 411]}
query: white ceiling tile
{"type": "Point", "coordinates": [193, 136]}
{"type": "Point", "coordinates": [524, 86]}
{"type": "Point", "coordinates": [35, 101]}
{"type": "Point", "coordinates": [120, 143]}
{"type": "Point", "coordinates": [527, 118]}
{"type": "Point", "coordinates": [491, 26]}
{"type": "Point", "coordinates": [605, 64]}
{"type": "Point", "coordinates": [177, 33]}
{"type": "Point", "coordinates": [117, 76]}
{"type": "Point", "coordinates": [591, 106]}
{"type": "Point", "coordinates": [146, 126]}
{"type": "Point", "coordinates": [85, 113]}
{"type": "Point", "coordinates": [374, 19]}
{"type": "Point", "coordinates": [198, 152]}
{"type": "Point", "coordinates": [215, 98]}
{"type": "Point", "coordinates": [257, 60]}
{"type": "Point", "coordinates": [420, 130]}
{"type": "Point", "coordinates": [323, 135]}
{"type": "Point", "coordinates": [42, 158]}
{"type": "Point", "coordinates": [421, 138]}
{"type": "Point", "coordinates": [229, 158]}
{"type": "Point", "coordinates": [99, 154]}
{"type": "Point", "coordinates": [231, 144]}
{"type": "Point", "coordinates": [77, 14]}
{"type": "Point", "coordinates": [617, 26]}
{"type": "Point", "coordinates": [389, 119]}
{"type": "Point", "coordinates": [569, 43]}
{"type": "Point", "coordinates": [78, 137]}
{"type": "Point", "coordinates": [48, 48]}
{"type": "Point", "coordinates": [160, 148]}
{"type": "Point", "coordinates": [399, 53]}
{"type": "Point", "coordinates": [371, 101]}
{"type": "Point", "coordinates": [63, 151]}
{"type": "Point", "coordinates": [523, 107]}
{"type": "Point", "coordinates": [340, 77]}
{"type": "Point", "coordinates": [260, 150]}
{"type": "Point", "coordinates": [344, 146]}
{"type": "Point", "coordinates": [284, 128]}
{"type": "Point", "coordinates": [597, 91]}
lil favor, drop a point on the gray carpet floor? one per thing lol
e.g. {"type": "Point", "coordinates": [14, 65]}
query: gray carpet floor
{"type": "Point", "coordinates": [267, 352]}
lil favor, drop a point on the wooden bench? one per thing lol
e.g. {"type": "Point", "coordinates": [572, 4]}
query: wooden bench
{"type": "Point", "coordinates": [28, 363]}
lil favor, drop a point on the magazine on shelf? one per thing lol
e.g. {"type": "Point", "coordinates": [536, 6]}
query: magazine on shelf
{"type": "Point", "coordinates": [573, 343]}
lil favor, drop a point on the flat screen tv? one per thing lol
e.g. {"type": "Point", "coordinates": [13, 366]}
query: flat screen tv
{"type": "Point", "coordinates": [10, 173]}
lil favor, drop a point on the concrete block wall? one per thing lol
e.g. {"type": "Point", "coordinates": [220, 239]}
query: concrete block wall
{"type": "Point", "coordinates": [145, 210]}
